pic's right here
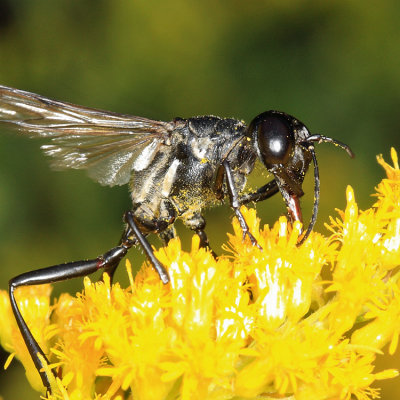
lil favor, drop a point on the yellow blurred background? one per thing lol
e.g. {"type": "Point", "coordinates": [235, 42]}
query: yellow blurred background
{"type": "Point", "coordinates": [333, 64]}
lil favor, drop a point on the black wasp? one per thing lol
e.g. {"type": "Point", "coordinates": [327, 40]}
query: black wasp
{"type": "Point", "coordinates": [174, 169]}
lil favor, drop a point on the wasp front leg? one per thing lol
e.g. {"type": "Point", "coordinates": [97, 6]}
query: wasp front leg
{"type": "Point", "coordinates": [234, 201]}
{"type": "Point", "coordinates": [263, 193]}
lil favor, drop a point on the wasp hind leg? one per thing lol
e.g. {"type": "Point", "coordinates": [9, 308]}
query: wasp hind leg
{"type": "Point", "coordinates": [61, 272]}
{"type": "Point", "coordinates": [57, 273]}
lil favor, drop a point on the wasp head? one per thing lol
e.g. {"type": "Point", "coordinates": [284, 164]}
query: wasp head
{"type": "Point", "coordinates": [285, 146]}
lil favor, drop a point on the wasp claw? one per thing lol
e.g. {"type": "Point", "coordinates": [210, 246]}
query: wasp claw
{"type": "Point", "coordinates": [246, 230]}
{"type": "Point", "coordinates": [252, 239]}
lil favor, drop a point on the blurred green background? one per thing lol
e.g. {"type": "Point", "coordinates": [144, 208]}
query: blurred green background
{"type": "Point", "coordinates": [333, 64]}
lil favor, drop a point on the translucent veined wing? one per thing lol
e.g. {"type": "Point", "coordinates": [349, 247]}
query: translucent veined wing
{"type": "Point", "coordinates": [105, 143]}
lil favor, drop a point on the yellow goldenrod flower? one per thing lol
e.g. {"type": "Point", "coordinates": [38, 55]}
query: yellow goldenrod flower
{"type": "Point", "coordinates": [252, 324]}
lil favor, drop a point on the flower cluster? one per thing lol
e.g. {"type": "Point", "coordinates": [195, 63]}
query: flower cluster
{"type": "Point", "coordinates": [251, 324]}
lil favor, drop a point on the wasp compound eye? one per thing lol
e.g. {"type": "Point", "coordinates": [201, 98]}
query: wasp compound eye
{"type": "Point", "coordinates": [274, 137]}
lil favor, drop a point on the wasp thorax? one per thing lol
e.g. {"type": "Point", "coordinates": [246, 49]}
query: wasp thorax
{"type": "Point", "coordinates": [274, 138]}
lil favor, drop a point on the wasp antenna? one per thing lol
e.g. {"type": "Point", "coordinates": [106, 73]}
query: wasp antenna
{"type": "Point", "coordinates": [320, 139]}
{"type": "Point", "coordinates": [316, 196]}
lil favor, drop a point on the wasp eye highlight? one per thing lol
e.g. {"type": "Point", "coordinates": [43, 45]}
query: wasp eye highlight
{"type": "Point", "coordinates": [274, 137]}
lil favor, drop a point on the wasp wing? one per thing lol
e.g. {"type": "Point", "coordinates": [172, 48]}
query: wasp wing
{"type": "Point", "coordinates": [105, 143]}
